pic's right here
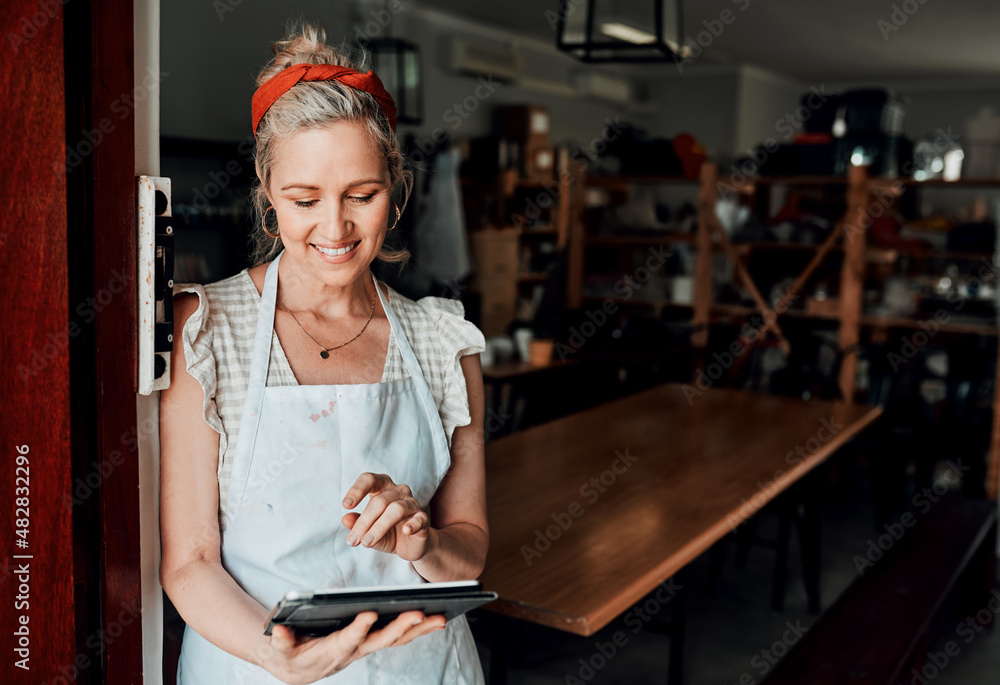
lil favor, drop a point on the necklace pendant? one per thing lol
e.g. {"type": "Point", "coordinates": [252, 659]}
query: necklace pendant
{"type": "Point", "coordinates": [324, 354]}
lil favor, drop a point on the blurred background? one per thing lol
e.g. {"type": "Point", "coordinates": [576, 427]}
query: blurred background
{"type": "Point", "coordinates": [616, 201]}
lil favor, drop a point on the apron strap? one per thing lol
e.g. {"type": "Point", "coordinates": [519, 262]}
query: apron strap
{"type": "Point", "coordinates": [442, 453]}
{"type": "Point", "coordinates": [259, 362]}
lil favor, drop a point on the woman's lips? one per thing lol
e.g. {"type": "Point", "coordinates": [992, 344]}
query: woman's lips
{"type": "Point", "coordinates": [337, 255]}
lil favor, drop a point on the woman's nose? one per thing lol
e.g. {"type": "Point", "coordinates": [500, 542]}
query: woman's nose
{"type": "Point", "coordinates": [336, 222]}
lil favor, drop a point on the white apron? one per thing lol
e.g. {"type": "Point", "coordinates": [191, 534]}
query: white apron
{"type": "Point", "coordinates": [300, 448]}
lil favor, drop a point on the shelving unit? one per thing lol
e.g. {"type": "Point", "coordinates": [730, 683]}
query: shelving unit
{"type": "Point", "coordinates": [501, 226]}
{"type": "Point", "coordinates": [860, 191]}
{"type": "Point", "coordinates": [580, 241]}
{"type": "Point", "coordinates": [857, 257]}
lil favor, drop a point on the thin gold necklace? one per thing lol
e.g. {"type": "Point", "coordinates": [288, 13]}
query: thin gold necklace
{"type": "Point", "coordinates": [325, 351]}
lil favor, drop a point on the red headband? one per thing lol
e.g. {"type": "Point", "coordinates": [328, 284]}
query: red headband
{"type": "Point", "coordinates": [280, 83]}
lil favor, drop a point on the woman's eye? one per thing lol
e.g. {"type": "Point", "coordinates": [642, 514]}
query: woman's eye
{"type": "Point", "coordinates": [362, 199]}
{"type": "Point", "coordinates": [305, 203]}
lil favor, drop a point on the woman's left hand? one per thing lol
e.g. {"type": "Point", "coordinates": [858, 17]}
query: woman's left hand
{"type": "Point", "coordinates": [392, 521]}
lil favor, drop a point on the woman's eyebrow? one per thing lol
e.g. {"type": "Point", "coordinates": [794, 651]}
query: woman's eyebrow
{"type": "Point", "coordinates": [354, 184]}
{"type": "Point", "coordinates": [379, 181]}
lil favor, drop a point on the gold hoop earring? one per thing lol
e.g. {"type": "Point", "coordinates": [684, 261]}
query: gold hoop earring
{"type": "Point", "coordinates": [263, 222]}
{"type": "Point", "coordinates": [394, 206]}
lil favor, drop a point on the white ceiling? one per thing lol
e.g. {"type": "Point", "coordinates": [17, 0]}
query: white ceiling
{"type": "Point", "coordinates": [809, 40]}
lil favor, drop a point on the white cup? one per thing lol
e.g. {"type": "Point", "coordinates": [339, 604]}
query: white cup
{"type": "Point", "coordinates": [522, 340]}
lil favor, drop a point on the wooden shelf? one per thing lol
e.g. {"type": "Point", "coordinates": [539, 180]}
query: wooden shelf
{"type": "Point", "coordinates": [893, 253]}
{"type": "Point", "coordinates": [614, 182]}
{"type": "Point", "coordinates": [873, 254]}
{"type": "Point", "coordinates": [949, 327]}
{"type": "Point", "coordinates": [637, 239]}
{"type": "Point", "coordinates": [970, 182]}
{"type": "Point", "coordinates": [747, 247]}
{"type": "Point", "coordinates": [736, 310]}
{"type": "Point", "coordinates": [835, 180]}
{"type": "Point", "coordinates": [528, 183]}
{"type": "Point", "coordinates": [505, 370]}
{"type": "Point", "coordinates": [659, 304]}
{"type": "Point", "coordinates": [784, 180]}
{"type": "Point", "coordinates": [842, 180]}
{"type": "Point", "coordinates": [743, 310]}
{"type": "Point", "coordinates": [748, 183]}
{"type": "Point", "coordinates": [539, 231]}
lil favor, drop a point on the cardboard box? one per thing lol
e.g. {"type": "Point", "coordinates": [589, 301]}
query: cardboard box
{"type": "Point", "coordinates": [495, 252]}
{"type": "Point", "coordinates": [527, 125]}
{"type": "Point", "coordinates": [495, 323]}
{"type": "Point", "coordinates": [498, 291]}
{"type": "Point", "coordinates": [498, 302]}
{"type": "Point", "coordinates": [538, 164]}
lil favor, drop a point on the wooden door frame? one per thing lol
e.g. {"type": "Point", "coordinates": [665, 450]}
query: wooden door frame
{"type": "Point", "coordinates": [35, 379]}
{"type": "Point", "coordinates": [67, 247]}
{"type": "Point", "coordinates": [102, 96]}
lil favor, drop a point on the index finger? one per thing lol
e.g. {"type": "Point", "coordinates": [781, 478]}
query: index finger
{"type": "Point", "coordinates": [366, 483]}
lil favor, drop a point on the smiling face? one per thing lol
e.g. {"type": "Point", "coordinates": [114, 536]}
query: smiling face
{"type": "Point", "coordinates": [330, 189]}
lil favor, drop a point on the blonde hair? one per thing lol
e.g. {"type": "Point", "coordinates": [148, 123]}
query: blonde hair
{"type": "Point", "coordinates": [315, 104]}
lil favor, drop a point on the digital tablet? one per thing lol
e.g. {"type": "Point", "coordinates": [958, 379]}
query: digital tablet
{"type": "Point", "coordinates": [317, 613]}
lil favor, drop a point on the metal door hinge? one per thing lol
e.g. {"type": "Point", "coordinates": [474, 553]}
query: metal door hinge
{"type": "Point", "coordinates": [156, 283]}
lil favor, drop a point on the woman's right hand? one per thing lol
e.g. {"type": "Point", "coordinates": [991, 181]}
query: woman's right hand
{"type": "Point", "coordinates": [305, 660]}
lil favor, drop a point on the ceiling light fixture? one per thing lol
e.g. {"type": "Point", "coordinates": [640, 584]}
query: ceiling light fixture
{"type": "Point", "coordinates": [620, 30]}
{"type": "Point", "coordinates": [627, 33]}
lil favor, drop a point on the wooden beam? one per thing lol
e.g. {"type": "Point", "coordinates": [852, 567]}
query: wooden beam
{"type": "Point", "coordinates": [758, 299]}
{"type": "Point", "coordinates": [565, 179]}
{"type": "Point", "coordinates": [811, 267]}
{"type": "Point", "coordinates": [577, 237]}
{"type": "Point", "coordinates": [993, 460]}
{"type": "Point", "coordinates": [852, 277]}
{"type": "Point", "coordinates": [703, 257]}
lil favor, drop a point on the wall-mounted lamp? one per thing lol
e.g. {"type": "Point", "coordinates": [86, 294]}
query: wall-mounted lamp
{"type": "Point", "coordinates": [397, 63]}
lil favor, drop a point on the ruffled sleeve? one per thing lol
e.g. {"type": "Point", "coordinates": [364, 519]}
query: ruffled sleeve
{"type": "Point", "coordinates": [196, 338]}
{"type": "Point", "coordinates": [455, 337]}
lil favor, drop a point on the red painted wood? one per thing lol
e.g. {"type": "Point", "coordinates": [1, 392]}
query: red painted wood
{"type": "Point", "coordinates": [67, 249]}
{"type": "Point", "coordinates": [34, 381]}
{"type": "Point", "coordinates": [114, 265]}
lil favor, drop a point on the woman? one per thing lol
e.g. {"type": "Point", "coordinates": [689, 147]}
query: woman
{"type": "Point", "coordinates": [320, 430]}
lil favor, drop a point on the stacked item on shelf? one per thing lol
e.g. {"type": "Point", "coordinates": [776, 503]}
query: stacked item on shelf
{"type": "Point", "coordinates": [496, 255]}
{"type": "Point", "coordinates": [527, 127]}
{"type": "Point", "coordinates": [869, 132]}
{"type": "Point", "coordinates": [832, 132]}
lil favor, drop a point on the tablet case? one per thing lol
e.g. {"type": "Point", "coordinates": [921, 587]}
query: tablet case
{"type": "Point", "coordinates": [321, 612]}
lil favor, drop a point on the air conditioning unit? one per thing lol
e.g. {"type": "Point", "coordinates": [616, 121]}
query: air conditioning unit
{"type": "Point", "coordinates": [475, 58]}
{"type": "Point", "coordinates": [603, 86]}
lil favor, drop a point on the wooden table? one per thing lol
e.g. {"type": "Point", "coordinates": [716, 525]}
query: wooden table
{"type": "Point", "coordinates": [692, 473]}
{"type": "Point", "coordinates": [507, 370]}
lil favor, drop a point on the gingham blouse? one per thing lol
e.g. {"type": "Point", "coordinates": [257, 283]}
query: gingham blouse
{"type": "Point", "coordinates": [218, 343]}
